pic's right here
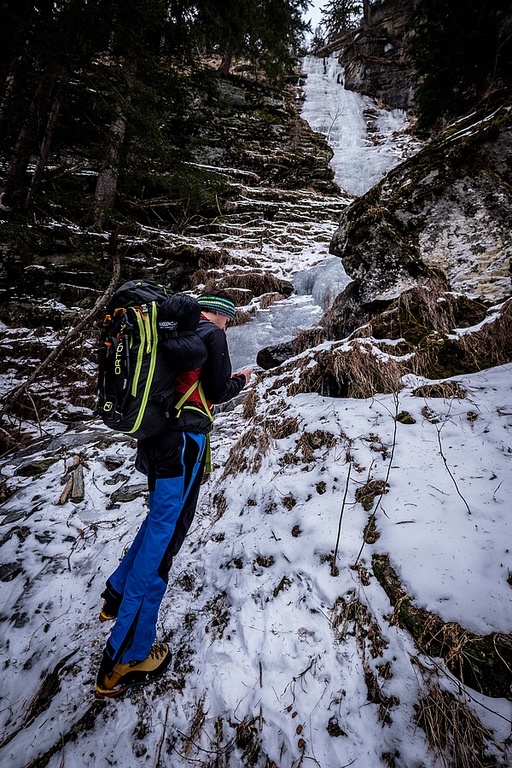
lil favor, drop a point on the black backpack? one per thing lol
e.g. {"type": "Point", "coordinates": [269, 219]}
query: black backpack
{"type": "Point", "coordinates": [149, 336]}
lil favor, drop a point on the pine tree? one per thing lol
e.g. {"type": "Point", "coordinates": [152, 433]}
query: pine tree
{"type": "Point", "coordinates": [53, 39]}
{"type": "Point", "coordinates": [99, 81]}
{"type": "Point", "coordinates": [266, 33]}
{"type": "Point", "coordinates": [340, 15]}
{"type": "Point", "coordinates": [137, 29]}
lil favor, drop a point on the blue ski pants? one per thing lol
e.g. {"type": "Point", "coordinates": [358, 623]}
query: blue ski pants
{"type": "Point", "coordinates": [174, 464]}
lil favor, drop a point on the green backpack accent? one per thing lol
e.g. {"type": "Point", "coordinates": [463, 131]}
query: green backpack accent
{"type": "Point", "coordinates": [148, 338]}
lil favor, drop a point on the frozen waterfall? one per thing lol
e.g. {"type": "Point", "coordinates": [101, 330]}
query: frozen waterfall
{"type": "Point", "coordinates": [280, 322]}
{"type": "Point", "coordinates": [367, 143]}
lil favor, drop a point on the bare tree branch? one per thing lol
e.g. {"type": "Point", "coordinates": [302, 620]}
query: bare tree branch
{"type": "Point", "coordinates": [83, 320]}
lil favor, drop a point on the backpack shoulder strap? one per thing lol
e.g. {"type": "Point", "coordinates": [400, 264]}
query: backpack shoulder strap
{"type": "Point", "coordinates": [181, 402]}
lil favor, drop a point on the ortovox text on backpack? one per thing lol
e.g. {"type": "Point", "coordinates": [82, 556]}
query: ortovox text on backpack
{"type": "Point", "coordinates": [148, 338]}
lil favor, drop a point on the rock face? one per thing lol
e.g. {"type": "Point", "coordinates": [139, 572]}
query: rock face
{"type": "Point", "coordinates": [376, 57]}
{"type": "Point", "coordinates": [377, 62]}
{"type": "Point", "coordinates": [259, 132]}
{"type": "Point", "coordinates": [446, 211]}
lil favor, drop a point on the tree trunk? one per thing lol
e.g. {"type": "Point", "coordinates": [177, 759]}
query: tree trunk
{"type": "Point", "coordinates": [12, 87]}
{"type": "Point", "coordinates": [106, 184]}
{"type": "Point", "coordinates": [46, 144]}
{"type": "Point", "coordinates": [367, 13]}
{"type": "Point", "coordinates": [225, 64]}
{"type": "Point", "coordinates": [24, 149]}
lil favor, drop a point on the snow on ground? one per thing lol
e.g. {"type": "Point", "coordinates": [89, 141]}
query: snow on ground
{"type": "Point", "coordinates": [263, 652]}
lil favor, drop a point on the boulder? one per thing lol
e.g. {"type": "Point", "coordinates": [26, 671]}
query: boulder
{"type": "Point", "coordinates": [444, 212]}
{"type": "Point", "coordinates": [271, 357]}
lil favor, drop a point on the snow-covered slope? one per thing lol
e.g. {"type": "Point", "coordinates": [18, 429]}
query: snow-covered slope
{"type": "Point", "coordinates": [276, 660]}
{"type": "Point", "coordinates": [287, 650]}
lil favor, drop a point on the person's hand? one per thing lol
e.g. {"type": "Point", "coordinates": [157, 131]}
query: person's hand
{"type": "Point", "coordinates": [247, 372]}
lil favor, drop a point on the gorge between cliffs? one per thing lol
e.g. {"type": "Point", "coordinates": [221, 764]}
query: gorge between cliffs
{"type": "Point", "coordinates": [344, 596]}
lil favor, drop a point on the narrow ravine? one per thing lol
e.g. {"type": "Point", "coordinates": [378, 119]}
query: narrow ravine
{"type": "Point", "coordinates": [286, 649]}
{"type": "Point", "coordinates": [367, 142]}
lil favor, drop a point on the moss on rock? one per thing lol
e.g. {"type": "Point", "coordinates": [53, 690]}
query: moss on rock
{"type": "Point", "coordinates": [481, 662]}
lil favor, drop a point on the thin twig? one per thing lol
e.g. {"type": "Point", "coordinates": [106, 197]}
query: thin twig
{"type": "Point", "coordinates": [333, 564]}
{"type": "Point", "coordinates": [448, 469]}
{"type": "Point", "coordinates": [161, 739]}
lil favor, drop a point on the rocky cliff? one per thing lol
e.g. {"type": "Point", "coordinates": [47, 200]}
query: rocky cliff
{"type": "Point", "coordinates": [377, 61]}
{"type": "Point", "coordinates": [446, 210]}
{"type": "Point", "coordinates": [376, 57]}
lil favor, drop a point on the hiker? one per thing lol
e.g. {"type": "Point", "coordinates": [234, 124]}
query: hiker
{"type": "Point", "coordinates": [174, 463]}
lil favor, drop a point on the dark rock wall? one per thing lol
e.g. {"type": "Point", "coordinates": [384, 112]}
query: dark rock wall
{"type": "Point", "coordinates": [445, 211]}
{"type": "Point", "coordinates": [375, 56]}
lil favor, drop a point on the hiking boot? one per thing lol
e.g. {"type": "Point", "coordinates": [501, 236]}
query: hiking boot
{"type": "Point", "coordinates": [111, 603]}
{"type": "Point", "coordinates": [134, 673]}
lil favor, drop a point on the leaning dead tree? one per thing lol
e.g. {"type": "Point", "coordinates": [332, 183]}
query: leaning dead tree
{"type": "Point", "coordinates": [82, 320]}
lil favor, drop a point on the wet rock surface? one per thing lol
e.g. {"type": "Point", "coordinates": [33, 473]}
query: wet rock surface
{"type": "Point", "coordinates": [444, 211]}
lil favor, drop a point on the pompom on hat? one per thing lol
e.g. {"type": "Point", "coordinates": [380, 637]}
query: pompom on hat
{"type": "Point", "coordinates": [217, 304]}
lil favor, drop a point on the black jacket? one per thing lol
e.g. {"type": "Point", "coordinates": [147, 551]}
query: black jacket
{"type": "Point", "coordinates": [218, 384]}
{"type": "Point", "coordinates": [216, 379]}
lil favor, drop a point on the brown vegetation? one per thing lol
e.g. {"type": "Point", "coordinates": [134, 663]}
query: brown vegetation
{"type": "Point", "coordinates": [416, 334]}
{"type": "Point", "coordinates": [481, 662]}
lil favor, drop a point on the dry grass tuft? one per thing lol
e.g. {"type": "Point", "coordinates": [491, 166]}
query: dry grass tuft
{"type": "Point", "coordinates": [249, 405]}
{"type": "Point", "coordinates": [219, 505]}
{"type": "Point", "coordinates": [280, 428]}
{"type": "Point", "coordinates": [458, 739]}
{"type": "Point", "coordinates": [457, 645]}
{"type": "Point", "coordinates": [268, 299]}
{"type": "Point", "coordinates": [370, 534]}
{"type": "Point", "coordinates": [309, 442]}
{"type": "Point", "coordinates": [248, 740]}
{"type": "Point", "coordinates": [428, 306]}
{"type": "Point", "coordinates": [247, 453]}
{"type": "Point", "coordinates": [493, 341]}
{"type": "Point", "coordinates": [307, 446]}
{"type": "Point", "coordinates": [219, 615]}
{"type": "Point", "coordinates": [370, 491]}
{"type": "Point", "coordinates": [307, 339]}
{"type": "Point", "coordinates": [364, 366]}
{"type": "Point", "coordinates": [444, 389]}
{"type": "Point", "coordinates": [351, 617]}
{"type": "Point", "coordinates": [357, 371]}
